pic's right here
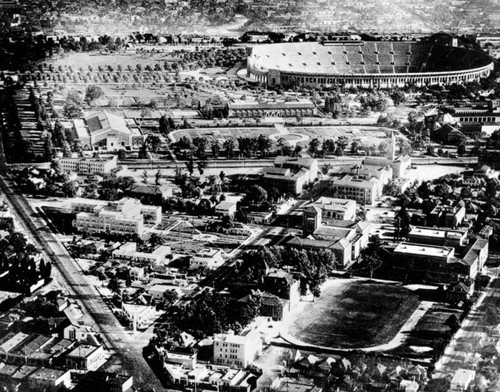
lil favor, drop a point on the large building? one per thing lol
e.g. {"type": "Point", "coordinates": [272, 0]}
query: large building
{"type": "Point", "coordinates": [107, 130]}
{"type": "Point", "coordinates": [363, 183]}
{"type": "Point", "coordinates": [254, 109]}
{"type": "Point", "coordinates": [89, 165]}
{"type": "Point", "coordinates": [332, 208]}
{"type": "Point", "coordinates": [125, 216]}
{"type": "Point", "coordinates": [365, 63]}
{"type": "Point", "coordinates": [236, 350]}
{"type": "Point", "coordinates": [437, 236]}
{"type": "Point", "coordinates": [291, 174]}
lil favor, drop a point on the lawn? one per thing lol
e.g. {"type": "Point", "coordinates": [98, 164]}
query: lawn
{"type": "Point", "coordinates": [356, 315]}
{"type": "Point", "coordinates": [224, 133]}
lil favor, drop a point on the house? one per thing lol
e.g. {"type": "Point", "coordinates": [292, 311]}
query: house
{"type": "Point", "coordinates": [78, 331]}
{"type": "Point", "coordinates": [283, 285]}
{"type": "Point", "coordinates": [85, 357]}
{"type": "Point", "coordinates": [209, 258]}
{"type": "Point", "coordinates": [271, 305]}
{"type": "Point", "coordinates": [137, 273]}
{"type": "Point", "coordinates": [157, 291]}
{"type": "Point", "coordinates": [236, 350]}
{"type": "Point", "coordinates": [112, 132]}
{"type": "Point", "coordinates": [49, 379]}
{"type": "Point", "coordinates": [150, 193]}
{"type": "Point", "coordinates": [462, 380]}
{"type": "Point", "coordinates": [128, 251]}
{"type": "Point", "coordinates": [226, 208]}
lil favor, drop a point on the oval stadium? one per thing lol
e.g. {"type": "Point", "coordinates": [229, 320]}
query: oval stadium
{"type": "Point", "coordinates": [382, 64]}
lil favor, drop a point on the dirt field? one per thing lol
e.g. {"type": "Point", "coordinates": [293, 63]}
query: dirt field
{"type": "Point", "coordinates": [355, 315]}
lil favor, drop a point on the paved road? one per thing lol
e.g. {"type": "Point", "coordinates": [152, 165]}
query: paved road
{"type": "Point", "coordinates": [115, 337]}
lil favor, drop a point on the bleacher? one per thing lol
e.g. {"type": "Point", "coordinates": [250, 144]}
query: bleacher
{"type": "Point", "coordinates": [372, 57]}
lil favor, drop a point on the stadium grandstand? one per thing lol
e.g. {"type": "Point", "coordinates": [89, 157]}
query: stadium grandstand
{"type": "Point", "coordinates": [383, 64]}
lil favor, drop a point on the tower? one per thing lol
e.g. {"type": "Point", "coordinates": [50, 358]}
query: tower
{"type": "Point", "coordinates": [391, 151]}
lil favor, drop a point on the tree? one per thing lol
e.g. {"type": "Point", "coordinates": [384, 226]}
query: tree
{"type": "Point", "coordinates": [170, 297]}
{"type": "Point", "coordinates": [256, 195]}
{"type": "Point", "coordinates": [313, 146]}
{"type": "Point", "coordinates": [92, 93]}
{"type": "Point", "coordinates": [114, 285]}
{"type": "Point", "coordinates": [155, 240]}
{"type": "Point", "coordinates": [229, 146]}
{"type": "Point", "coordinates": [466, 193]}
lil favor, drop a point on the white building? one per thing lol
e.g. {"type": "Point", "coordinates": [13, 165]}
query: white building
{"type": "Point", "coordinates": [112, 132]}
{"type": "Point", "coordinates": [85, 357]}
{"type": "Point", "coordinates": [89, 165]}
{"type": "Point", "coordinates": [462, 380]}
{"type": "Point", "coordinates": [140, 315]}
{"type": "Point", "coordinates": [236, 350]}
{"type": "Point", "coordinates": [209, 258]}
{"type": "Point", "coordinates": [128, 251]}
{"type": "Point", "coordinates": [125, 216]}
{"type": "Point", "coordinates": [338, 209]}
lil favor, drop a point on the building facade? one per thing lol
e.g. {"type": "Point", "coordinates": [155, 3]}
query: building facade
{"type": "Point", "coordinates": [89, 165]}
{"type": "Point", "coordinates": [125, 216]}
{"type": "Point", "coordinates": [236, 350]}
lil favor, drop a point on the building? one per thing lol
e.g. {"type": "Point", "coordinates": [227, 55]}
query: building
{"type": "Point", "coordinates": [291, 174]}
{"type": "Point", "coordinates": [209, 258]}
{"type": "Point", "coordinates": [478, 252]}
{"type": "Point", "coordinates": [283, 285]}
{"type": "Point", "coordinates": [49, 379]}
{"type": "Point", "coordinates": [226, 207]}
{"type": "Point", "coordinates": [105, 382]}
{"type": "Point", "coordinates": [447, 216]}
{"type": "Point", "coordinates": [254, 109]}
{"type": "Point", "coordinates": [140, 316]}
{"type": "Point", "coordinates": [490, 158]}
{"type": "Point", "coordinates": [383, 64]}
{"type": "Point", "coordinates": [125, 216]}
{"type": "Point", "coordinates": [462, 380]}
{"type": "Point", "coordinates": [437, 236]}
{"type": "Point", "coordinates": [236, 350]}
{"type": "Point", "coordinates": [400, 164]}
{"type": "Point", "coordinates": [337, 209]}
{"type": "Point", "coordinates": [486, 115]}
{"type": "Point", "coordinates": [89, 165]}
{"type": "Point", "coordinates": [128, 251]}
{"type": "Point", "coordinates": [431, 263]}
{"type": "Point", "coordinates": [109, 131]}
{"type": "Point", "coordinates": [85, 357]}
{"type": "Point", "coordinates": [151, 193]}
{"type": "Point", "coordinates": [363, 190]}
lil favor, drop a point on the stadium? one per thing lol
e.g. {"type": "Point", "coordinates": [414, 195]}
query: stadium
{"type": "Point", "coordinates": [382, 64]}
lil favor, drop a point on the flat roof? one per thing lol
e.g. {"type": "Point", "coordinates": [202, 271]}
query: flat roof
{"type": "Point", "coordinates": [82, 351]}
{"type": "Point", "coordinates": [424, 250]}
{"type": "Point", "coordinates": [436, 232]}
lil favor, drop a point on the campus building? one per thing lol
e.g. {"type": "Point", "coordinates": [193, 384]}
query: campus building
{"type": "Point", "coordinates": [332, 208]}
{"type": "Point", "coordinates": [254, 109]}
{"type": "Point", "coordinates": [291, 174]}
{"type": "Point", "coordinates": [383, 64]}
{"type": "Point", "coordinates": [437, 236]}
{"type": "Point", "coordinates": [236, 350]}
{"type": "Point", "coordinates": [125, 216]}
{"type": "Point", "coordinates": [109, 131]}
{"type": "Point", "coordinates": [89, 165]}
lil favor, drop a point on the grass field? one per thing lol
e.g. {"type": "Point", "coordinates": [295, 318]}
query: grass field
{"type": "Point", "coordinates": [359, 314]}
{"type": "Point", "coordinates": [223, 133]}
